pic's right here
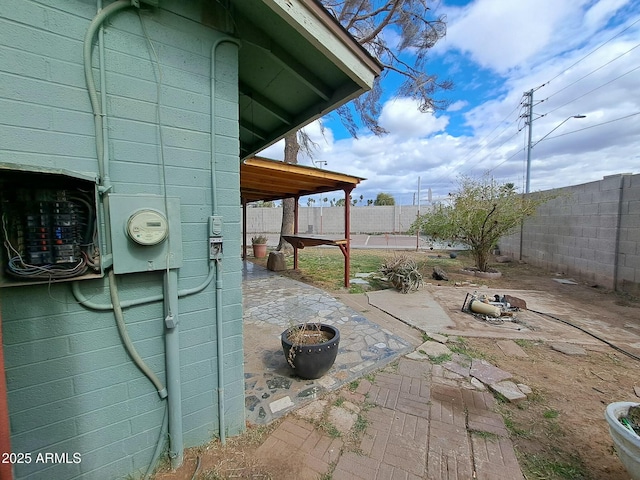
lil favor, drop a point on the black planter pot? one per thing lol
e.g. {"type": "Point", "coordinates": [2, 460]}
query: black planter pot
{"type": "Point", "coordinates": [311, 361]}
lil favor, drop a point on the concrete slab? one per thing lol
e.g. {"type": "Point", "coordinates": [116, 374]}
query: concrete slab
{"type": "Point", "coordinates": [530, 325]}
{"type": "Point", "coordinates": [433, 349]}
{"type": "Point", "coordinates": [439, 338]}
{"type": "Point", "coordinates": [511, 349]}
{"type": "Point", "coordinates": [418, 309]}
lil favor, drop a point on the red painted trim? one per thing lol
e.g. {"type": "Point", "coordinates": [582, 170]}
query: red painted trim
{"type": "Point", "coordinates": [5, 431]}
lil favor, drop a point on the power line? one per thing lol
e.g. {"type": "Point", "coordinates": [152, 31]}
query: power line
{"type": "Point", "coordinates": [594, 89]}
{"type": "Point", "coordinates": [593, 71]}
{"type": "Point", "coordinates": [494, 129]}
{"type": "Point", "coordinates": [492, 151]}
{"type": "Point", "coordinates": [590, 53]}
{"type": "Point", "coordinates": [596, 125]}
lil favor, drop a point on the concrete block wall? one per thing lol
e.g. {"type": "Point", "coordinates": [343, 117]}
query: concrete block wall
{"type": "Point", "coordinates": [591, 231]}
{"type": "Point", "coordinates": [72, 388]}
{"type": "Point", "coordinates": [330, 220]}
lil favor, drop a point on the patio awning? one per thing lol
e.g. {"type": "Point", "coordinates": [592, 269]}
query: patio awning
{"type": "Point", "coordinates": [266, 179]}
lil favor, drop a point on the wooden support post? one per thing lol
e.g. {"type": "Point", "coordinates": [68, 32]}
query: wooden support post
{"type": "Point", "coordinates": [347, 235]}
{"type": "Point", "coordinates": [295, 232]}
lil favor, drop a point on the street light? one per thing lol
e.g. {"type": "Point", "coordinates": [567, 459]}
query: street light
{"type": "Point", "coordinates": [531, 145]}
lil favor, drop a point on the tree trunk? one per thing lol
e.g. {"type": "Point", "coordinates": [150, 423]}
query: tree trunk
{"type": "Point", "coordinates": [291, 148]}
{"type": "Point", "coordinates": [482, 259]}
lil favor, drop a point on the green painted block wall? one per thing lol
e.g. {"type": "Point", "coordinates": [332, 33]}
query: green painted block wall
{"type": "Point", "coordinates": [72, 387]}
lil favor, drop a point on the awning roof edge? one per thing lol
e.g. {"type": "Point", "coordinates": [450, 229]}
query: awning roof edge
{"type": "Point", "coordinates": [266, 179]}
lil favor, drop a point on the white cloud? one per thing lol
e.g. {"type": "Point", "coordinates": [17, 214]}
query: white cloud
{"type": "Point", "coordinates": [558, 46]}
{"type": "Point", "coordinates": [502, 34]}
{"type": "Point", "coordinates": [602, 11]}
{"type": "Point", "coordinates": [456, 106]}
{"type": "Point", "coordinates": [401, 117]}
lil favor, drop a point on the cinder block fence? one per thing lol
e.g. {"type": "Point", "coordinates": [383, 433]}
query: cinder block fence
{"type": "Point", "coordinates": [590, 231]}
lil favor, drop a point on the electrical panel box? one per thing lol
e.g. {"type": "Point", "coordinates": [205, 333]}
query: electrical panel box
{"type": "Point", "coordinates": [146, 232]}
{"type": "Point", "coordinates": [50, 227]}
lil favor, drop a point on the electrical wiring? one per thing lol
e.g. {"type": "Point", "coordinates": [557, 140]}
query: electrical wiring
{"type": "Point", "coordinates": [594, 126]}
{"type": "Point", "coordinates": [17, 267]}
{"type": "Point", "coordinates": [594, 89]}
{"type": "Point", "coordinates": [520, 128]}
{"type": "Point", "coordinates": [488, 138]}
{"type": "Point", "coordinates": [592, 72]}
{"type": "Point", "coordinates": [589, 54]}
{"type": "Point", "coordinates": [80, 250]}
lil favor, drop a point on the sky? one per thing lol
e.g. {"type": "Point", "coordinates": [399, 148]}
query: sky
{"type": "Point", "coordinates": [579, 57]}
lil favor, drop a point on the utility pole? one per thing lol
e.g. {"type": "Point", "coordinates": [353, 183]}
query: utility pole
{"type": "Point", "coordinates": [529, 121]}
{"type": "Point", "coordinates": [418, 218]}
{"type": "Point", "coordinates": [529, 104]}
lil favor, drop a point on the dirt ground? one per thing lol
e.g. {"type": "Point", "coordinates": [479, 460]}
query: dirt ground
{"type": "Point", "coordinates": [558, 433]}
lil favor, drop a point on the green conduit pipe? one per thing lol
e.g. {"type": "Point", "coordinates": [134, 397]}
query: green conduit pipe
{"type": "Point", "coordinates": [214, 201]}
{"type": "Point", "coordinates": [96, 106]}
{"type": "Point", "coordinates": [83, 300]}
{"type": "Point", "coordinates": [172, 356]}
{"type": "Point", "coordinates": [122, 329]}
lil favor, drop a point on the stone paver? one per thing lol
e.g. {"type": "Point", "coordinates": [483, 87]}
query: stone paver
{"type": "Point", "coordinates": [272, 303]}
{"type": "Point", "coordinates": [487, 373]}
{"type": "Point", "coordinates": [423, 421]}
{"type": "Point", "coordinates": [511, 348]}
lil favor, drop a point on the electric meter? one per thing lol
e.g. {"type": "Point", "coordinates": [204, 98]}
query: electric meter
{"type": "Point", "coordinates": [147, 227]}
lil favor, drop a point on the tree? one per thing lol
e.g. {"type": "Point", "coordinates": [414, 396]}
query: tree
{"type": "Point", "coordinates": [399, 33]}
{"type": "Point", "coordinates": [477, 214]}
{"type": "Point", "coordinates": [263, 204]}
{"type": "Point", "coordinates": [384, 199]}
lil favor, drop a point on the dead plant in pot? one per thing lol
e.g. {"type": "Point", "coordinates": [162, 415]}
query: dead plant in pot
{"type": "Point", "coordinates": [310, 348]}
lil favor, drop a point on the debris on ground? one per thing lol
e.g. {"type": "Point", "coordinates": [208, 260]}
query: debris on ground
{"type": "Point", "coordinates": [402, 272]}
{"type": "Point", "coordinates": [504, 259]}
{"type": "Point", "coordinates": [492, 307]}
{"type": "Point", "coordinates": [439, 274]}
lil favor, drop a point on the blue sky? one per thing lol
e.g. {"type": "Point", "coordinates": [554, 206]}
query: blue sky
{"type": "Point", "coordinates": [581, 57]}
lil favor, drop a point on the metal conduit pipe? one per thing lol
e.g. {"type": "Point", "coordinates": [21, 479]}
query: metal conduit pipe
{"type": "Point", "coordinates": [96, 105]}
{"type": "Point", "coordinates": [91, 305]}
{"type": "Point", "coordinates": [172, 358]}
{"type": "Point", "coordinates": [131, 350]}
{"type": "Point", "coordinates": [214, 201]}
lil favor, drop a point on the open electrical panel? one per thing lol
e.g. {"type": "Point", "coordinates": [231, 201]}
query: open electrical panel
{"type": "Point", "coordinates": [49, 228]}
